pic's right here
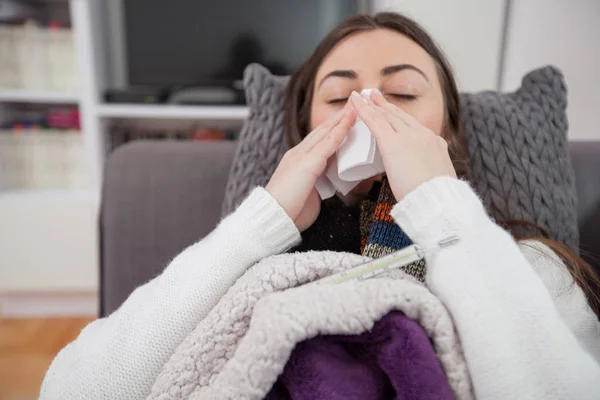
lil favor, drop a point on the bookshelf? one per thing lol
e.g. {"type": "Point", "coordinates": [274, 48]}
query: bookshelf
{"type": "Point", "coordinates": [53, 249]}
{"type": "Point", "coordinates": [49, 247]}
{"type": "Point", "coordinates": [92, 21]}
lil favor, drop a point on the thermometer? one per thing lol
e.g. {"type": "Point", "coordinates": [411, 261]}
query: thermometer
{"type": "Point", "coordinates": [378, 266]}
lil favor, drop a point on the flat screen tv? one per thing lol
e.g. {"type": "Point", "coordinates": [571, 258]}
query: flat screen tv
{"type": "Point", "coordinates": [210, 42]}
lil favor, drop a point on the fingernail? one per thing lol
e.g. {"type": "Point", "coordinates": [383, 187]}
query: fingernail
{"type": "Point", "coordinates": [355, 95]}
{"type": "Point", "coordinates": [376, 93]}
{"type": "Point", "coordinates": [361, 97]}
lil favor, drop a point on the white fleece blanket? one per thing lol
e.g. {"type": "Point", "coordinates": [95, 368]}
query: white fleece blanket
{"type": "Point", "coordinates": [241, 347]}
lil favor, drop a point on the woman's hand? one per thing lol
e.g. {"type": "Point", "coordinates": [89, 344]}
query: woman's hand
{"type": "Point", "coordinates": [411, 153]}
{"type": "Point", "coordinates": [293, 182]}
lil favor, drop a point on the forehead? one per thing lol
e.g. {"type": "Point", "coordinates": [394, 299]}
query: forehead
{"type": "Point", "coordinates": [370, 51]}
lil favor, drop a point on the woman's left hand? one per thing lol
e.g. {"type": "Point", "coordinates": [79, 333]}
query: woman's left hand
{"type": "Point", "coordinates": [411, 153]}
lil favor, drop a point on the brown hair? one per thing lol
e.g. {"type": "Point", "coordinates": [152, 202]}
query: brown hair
{"type": "Point", "coordinates": [297, 108]}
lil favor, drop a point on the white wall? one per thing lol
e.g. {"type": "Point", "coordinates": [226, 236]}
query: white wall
{"type": "Point", "coordinates": [469, 31]}
{"type": "Point", "coordinates": [565, 34]}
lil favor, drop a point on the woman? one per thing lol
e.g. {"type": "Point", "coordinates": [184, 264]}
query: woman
{"type": "Point", "coordinates": [526, 329]}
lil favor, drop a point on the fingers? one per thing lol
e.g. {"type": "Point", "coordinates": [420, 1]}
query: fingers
{"type": "Point", "coordinates": [378, 99]}
{"type": "Point", "coordinates": [330, 141]}
{"type": "Point", "coordinates": [323, 129]}
{"type": "Point", "coordinates": [397, 123]}
{"type": "Point", "coordinates": [376, 122]}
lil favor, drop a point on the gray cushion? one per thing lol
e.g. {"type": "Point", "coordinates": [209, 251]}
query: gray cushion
{"type": "Point", "coordinates": [517, 145]}
{"type": "Point", "coordinates": [261, 142]}
{"type": "Point", "coordinates": [520, 160]}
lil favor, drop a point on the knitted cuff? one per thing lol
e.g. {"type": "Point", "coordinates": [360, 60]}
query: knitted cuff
{"type": "Point", "coordinates": [438, 211]}
{"type": "Point", "coordinates": [269, 221]}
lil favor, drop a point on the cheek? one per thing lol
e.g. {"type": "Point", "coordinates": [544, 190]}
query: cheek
{"type": "Point", "coordinates": [319, 114]}
{"type": "Point", "coordinates": [433, 121]}
{"type": "Point", "coordinates": [430, 114]}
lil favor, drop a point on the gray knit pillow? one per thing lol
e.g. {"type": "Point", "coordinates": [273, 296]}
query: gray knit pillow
{"type": "Point", "coordinates": [261, 142]}
{"type": "Point", "coordinates": [518, 148]}
{"type": "Point", "coordinates": [517, 143]}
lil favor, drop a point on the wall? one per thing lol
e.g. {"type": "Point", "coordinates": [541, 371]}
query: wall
{"type": "Point", "coordinates": [469, 31]}
{"type": "Point", "coordinates": [567, 35]}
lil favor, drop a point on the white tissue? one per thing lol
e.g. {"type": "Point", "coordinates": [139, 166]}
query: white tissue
{"type": "Point", "coordinates": [356, 159]}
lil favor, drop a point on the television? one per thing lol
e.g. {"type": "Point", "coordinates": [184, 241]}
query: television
{"type": "Point", "coordinates": [208, 43]}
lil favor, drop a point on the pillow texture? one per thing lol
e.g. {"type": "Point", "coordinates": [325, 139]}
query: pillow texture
{"type": "Point", "coordinates": [519, 155]}
{"type": "Point", "coordinates": [262, 141]}
{"type": "Point", "coordinates": [519, 158]}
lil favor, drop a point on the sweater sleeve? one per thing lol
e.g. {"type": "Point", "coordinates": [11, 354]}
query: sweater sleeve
{"type": "Point", "coordinates": [119, 357]}
{"type": "Point", "coordinates": [569, 299]}
{"type": "Point", "coordinates": [516, 343]}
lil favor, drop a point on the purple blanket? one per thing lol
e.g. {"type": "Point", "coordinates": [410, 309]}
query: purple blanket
{"type": "Point", "coordinates": [395, 360]}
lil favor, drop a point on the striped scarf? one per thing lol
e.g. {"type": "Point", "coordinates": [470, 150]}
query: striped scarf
{"type": "Point", "coordinates": [380, 235]}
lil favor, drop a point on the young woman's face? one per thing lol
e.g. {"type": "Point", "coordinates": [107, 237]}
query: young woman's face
{"type": "Point", "coordinates": [382, 59]}
{"type": "Point", "coordinates": [386, 60]}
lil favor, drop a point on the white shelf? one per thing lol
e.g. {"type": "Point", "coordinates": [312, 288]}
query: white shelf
{"type": "Point", "coordinates": [49, 194]}
{"type": "Point", "coordinates": [51, 244]}
{"type": "Point", "coordinates": [34, 96]}
{"type": "Point", "coordinates": [168, 111]}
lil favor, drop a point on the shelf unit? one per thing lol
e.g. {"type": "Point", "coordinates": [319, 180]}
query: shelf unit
{"type": "Point", "coordinates": [49, 247]}
{"type": "Point", "coordinates": [94, 22]}
{"type": "Point", "coordinates": [168, 111]}
{"type": "Point", "coordinates": [98, 28]}
{"type": "Point", "coordinates": [46, 261]}
{"type": "Point", "coordinates": [42, 97]}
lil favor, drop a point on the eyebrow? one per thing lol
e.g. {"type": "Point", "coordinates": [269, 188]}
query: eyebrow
{"type": "Point", "coordinates": [392, 69]}
{"type": "Point", "coordinates": [389, 70]}
{"type": "Point", "coordinates": [341, 73]}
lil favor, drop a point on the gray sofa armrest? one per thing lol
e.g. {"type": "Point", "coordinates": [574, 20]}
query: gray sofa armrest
{"type": "Point", "coordinates": [157, 199]}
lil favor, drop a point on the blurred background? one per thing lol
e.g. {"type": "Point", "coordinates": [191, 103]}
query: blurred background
{"type": "Point", "coordinates": [78, 78]}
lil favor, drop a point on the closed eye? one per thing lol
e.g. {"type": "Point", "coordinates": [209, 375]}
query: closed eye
{"type": "Point", "coordinates": [398, 96]}
{"type": "Point", "coordinates": [402, 96]}
{"type": "Point", "coordinates": [338, 101]}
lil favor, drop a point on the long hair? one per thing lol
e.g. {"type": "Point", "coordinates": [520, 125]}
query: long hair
{"type": "Point", "coordinates": [297, 107]}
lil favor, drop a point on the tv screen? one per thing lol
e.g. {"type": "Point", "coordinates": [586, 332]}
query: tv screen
{"type": "Point", "coordinates": [210, 42]}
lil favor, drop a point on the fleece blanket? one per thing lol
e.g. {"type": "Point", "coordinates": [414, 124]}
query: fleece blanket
{"type": "Point", "coordinates": [393, 360]}
{"type": "Point", "coordinates": [239, 350]}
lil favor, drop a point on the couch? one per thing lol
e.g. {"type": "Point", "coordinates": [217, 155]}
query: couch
{"type": "Point", "coordinates": [159, 197]}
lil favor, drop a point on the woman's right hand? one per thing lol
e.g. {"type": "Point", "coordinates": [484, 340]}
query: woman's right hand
{"type": "Point", "coordinates": [293, 182]}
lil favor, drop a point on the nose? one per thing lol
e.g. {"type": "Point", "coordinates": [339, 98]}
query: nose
{"type": "Point", "coordinates": [367, 92]}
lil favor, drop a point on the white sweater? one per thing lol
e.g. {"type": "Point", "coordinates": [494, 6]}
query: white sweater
{"type": "Point", "coordinates": [527, 332]}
